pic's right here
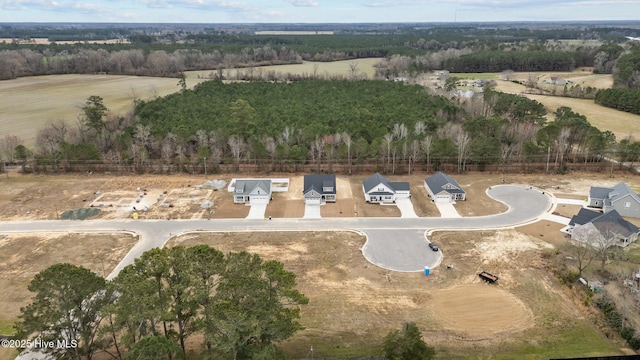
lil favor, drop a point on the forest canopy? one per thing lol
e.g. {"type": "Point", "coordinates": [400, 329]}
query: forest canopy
{"type": "Point", "coordinates": [366, 109]}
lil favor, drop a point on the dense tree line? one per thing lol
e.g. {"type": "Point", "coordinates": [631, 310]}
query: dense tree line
{"type": "Point", "coordinates": [620, 98]}
{"type": "Point", "coordinates": [320, 123]}
{"type": "Point", "coordinates": [238, 304]}
{"type": "Point", "coordinates": [26, 62]}
{"type": "Point", "coordinates": [626, 72]}
{"type": "Point", "coordinates": [157, 52]}
{"type": "Point", "coordinates": [497, 61]}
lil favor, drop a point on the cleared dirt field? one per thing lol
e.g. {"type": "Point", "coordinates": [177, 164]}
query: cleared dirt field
{"type": "Point", "coordinates": [22, 256]}
{"type": "Point", "coordinates": [353, 304]}
{"type": "Point", "coordinates": [480, 311]}
{"type": "Point", "coordinates": [180, 196]}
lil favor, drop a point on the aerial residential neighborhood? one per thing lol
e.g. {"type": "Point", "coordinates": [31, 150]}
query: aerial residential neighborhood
{"type": "Point", "coordinates": [322, 183]}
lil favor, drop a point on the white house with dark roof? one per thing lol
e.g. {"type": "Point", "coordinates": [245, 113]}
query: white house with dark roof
{"type": "Point", "coordinates": [604, 230]}
{"type": "Point", "coordinates": [319, 189]}
{"type": "Point", "coordinates": [249, 191]}
{"type": "Point", "coordinates": [444, 189]}
{"type": "Point", "coordinates": [620, 198]}
{"type": "Point", "coordinates": [377, 189]}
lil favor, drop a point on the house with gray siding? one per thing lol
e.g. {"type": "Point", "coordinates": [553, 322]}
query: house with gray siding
{"type": "Point", "coordinates": [443, 188]}
{"type": "Point", "coordinates": [605, 230]}
{"type": "Point", "coordinates": [319, 189]}
{"type": "Point", "coordinates": [248, 191]}
{"type": "Point", "coordinates": [597, 195]}
{"type": "Point", "coordinates": [619, 197]}
{"type": "Point", "coordinates": [624, 200]}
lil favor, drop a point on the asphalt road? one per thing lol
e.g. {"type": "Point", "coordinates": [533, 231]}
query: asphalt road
{"type": "Point", "coordinates": [397, 244]}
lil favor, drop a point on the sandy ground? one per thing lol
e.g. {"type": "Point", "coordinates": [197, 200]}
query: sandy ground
{"type": "Point", "coordinates": [354, 304]}
{"type": "Point", "coordinates": [22, 256]}
{"type": "Point", "coordinates": [480, 311]}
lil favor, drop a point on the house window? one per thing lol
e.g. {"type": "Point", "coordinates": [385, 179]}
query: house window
{"type": "Point", "coordinates": [627, 204]}
{"type": "Point", "coordinates": [380, 189]}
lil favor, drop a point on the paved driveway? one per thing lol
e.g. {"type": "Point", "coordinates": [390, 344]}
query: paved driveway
{"type": "Point", "coordinates": [571, 202]}
{"type": "Point", "coordinates": [406, 208]}
{"type": "Point", "coordinates": [312, 211]}
{"type": "Point", "coordinates": [257, 211]}
{"type": "Point", "coordinates": [447, 210]}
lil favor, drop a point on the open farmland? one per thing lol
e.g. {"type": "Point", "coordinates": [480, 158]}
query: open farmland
{"type": "Point", "coordinates": [622, 124]}
{"type": "Point", "coordinates": [320, 69]}
{"type": "Point", "coordinates": [30, 103]}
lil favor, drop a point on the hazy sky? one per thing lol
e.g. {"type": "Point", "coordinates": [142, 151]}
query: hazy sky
{"type": "Point", "coordinates": [310, 11]}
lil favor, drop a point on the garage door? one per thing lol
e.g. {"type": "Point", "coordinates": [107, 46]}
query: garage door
{"type": "Point", "coordinates": [313, 201]}
{"type": "Point", "coordinates": [259, 199]}
{"type": "Point", "coordinates": [442, 199]}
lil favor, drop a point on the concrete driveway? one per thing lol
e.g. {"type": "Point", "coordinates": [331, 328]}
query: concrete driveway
{"type": "Point", "coordinates": [447, 210]}
{"type": "Point", "coordinates": [571, 202]}
{"type": "Point", "coordinates": [406, 208]}
{"type": "Point", "coordinates": [257, 211]}
{"type": "Point", "coordinates": [312, 211]}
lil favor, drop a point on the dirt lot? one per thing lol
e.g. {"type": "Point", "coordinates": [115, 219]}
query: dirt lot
{"type": "Point", "coordinates": [47, 197]}
{"type": "Point", "coordinates": [22, 256]}
{"type": "Point", "coordinates": [353, 304]}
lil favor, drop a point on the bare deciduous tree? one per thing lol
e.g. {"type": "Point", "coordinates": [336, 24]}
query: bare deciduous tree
{"type": "Point", "coordinates": [426, 145]}
{"type": "Point", "coordinates": [346, 139]}
{"type": "Point", "coordinates": [237, 146]}
{"type": "Point", "coordinates": [9, 144]}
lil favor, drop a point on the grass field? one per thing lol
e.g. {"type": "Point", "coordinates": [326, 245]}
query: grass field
{"type": "Point", "coordinates": [321, 69]}
{"type": "Point", "coordinates": [29, 103]}
{"type": "Point", "coordinates": [621, 123]}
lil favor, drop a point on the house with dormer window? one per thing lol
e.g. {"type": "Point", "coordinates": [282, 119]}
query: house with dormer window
{"type": "Point", "coordinates": [319, 189]}
{"type": "Point", "coordinates": [249, 191]}
{"type": "Point", "coordinates": [377, 189]}
{"type": "Point", "coordinates": [443, 189]}
{"type": "Point", "coordinates": [620, 198]}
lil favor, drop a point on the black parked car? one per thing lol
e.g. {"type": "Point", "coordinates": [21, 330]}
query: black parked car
{"type": "Point", "coordinates": [433, 246]}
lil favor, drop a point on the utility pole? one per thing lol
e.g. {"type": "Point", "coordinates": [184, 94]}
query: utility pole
{"type": "Point", "coordinates": [205, 167]}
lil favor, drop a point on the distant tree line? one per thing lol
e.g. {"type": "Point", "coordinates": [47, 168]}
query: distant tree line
{"type": "Point", "coordinates": [620, 98]}
{"type": "Point", "coordinates": [408, 51]}
{"type": "Point", "coordinates": [26, 62]}
{"type": "Point", "coordinates": [497, 61]}
{"type": "Point", "coordinates": [348, 125]}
